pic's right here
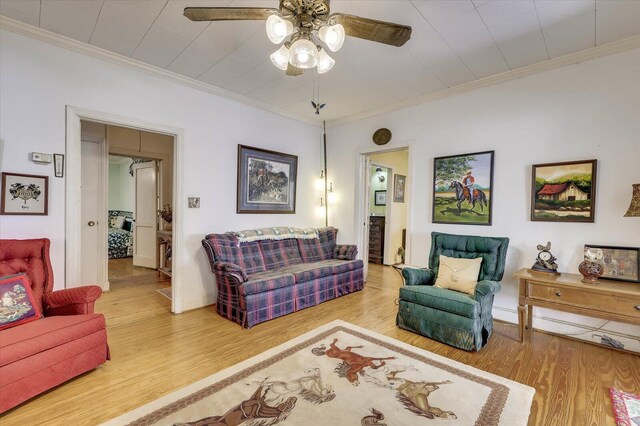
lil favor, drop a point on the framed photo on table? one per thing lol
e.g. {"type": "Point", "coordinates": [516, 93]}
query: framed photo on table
{"type": "Point", "coordinates": [266, 181]}
{"type": "Point", "coordinates": [620, 263]}
{"type": "Point", "coordinates": [24, 194]}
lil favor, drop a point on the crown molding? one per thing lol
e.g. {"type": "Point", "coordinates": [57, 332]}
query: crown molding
{"type": "Point", "coordinates": [46, 36]}
{"type": "Point", "coordinates": [550, 64]}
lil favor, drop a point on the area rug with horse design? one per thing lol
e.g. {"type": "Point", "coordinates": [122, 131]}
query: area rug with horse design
{"type": "Point", "coordinates": [341, 374]}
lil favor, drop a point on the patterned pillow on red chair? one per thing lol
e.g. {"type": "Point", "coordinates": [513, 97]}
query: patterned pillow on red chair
{"type": "Point", "coordinates": [16, 301]}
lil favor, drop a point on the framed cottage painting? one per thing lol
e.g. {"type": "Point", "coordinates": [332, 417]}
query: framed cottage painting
{"type": "Point", "coordinates": [462, 186]}
{"type": "Point", "coordinates": [564, 192]}
{"type": "Point", "coordinates": [266, 181]}
{"type": "Point", "coordinates": [24, 194]}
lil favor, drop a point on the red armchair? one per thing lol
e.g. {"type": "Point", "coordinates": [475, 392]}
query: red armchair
{"type": "Point", "coordinates": [68, 341]}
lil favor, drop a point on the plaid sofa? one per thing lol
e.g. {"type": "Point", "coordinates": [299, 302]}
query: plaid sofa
{"type": "Point", "coordinates": [262, 279]}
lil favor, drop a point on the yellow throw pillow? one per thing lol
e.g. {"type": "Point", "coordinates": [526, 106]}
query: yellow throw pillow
{"type": "Point", "coordinates": [458, 274]}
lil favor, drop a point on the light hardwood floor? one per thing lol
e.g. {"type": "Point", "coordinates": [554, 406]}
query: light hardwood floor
{"type": "Point", "coordinates": [155, 352]}
{"type": "Point", "coordinates": [123, 267]}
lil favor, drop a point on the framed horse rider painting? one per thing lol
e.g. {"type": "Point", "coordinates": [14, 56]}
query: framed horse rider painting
{"type": "Point", "coordinates": [462, 189]}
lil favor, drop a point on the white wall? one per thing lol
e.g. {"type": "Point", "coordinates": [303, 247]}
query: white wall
{"type": "Point", "coordinates": [37, 81]}
{"type": "Point", "coordinates": [584, 111]}
{"type": "Point", "coordinates": [121, 185]}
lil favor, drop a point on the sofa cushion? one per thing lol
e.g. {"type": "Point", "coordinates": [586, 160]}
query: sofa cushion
{"type": "Point", "coordinates": [280, 253]}
{"type": "Point", "coordinates": [442, 300]}
{"type": "Point", "coordinates": [458, 274]}
{"type": "Point", "coordinates": [16, 301]}
{"type": "Point", "coordinates": [311, 271]}
{"type": "Point", "coordinates": [226, 248]}
{"type": "Point", "coordinates": [38, 336]}
{"type": "Point", "coordinates": [266, 281]}
{"type": "Point", "coordinates": [321, 248]}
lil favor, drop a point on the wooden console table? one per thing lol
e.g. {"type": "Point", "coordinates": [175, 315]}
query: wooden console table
{"type": "Point", "coordinates": [607, 299]}
{"type": "Point", "coordinates": [164, 245]}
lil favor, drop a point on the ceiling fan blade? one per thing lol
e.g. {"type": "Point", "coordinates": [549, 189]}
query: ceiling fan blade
{"type": "Point", "coordinates": [228, 13]}
{"type": "Point", "coordinates": [371, 29]}
{"type": "Point", "coordinates": [293, 71]}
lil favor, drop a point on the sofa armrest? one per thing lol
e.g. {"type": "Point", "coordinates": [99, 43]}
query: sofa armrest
{"type": "Point", "coordinates": [231, 269]}
{"type": "Point", "coordinates": [413, 276]}
{"type": "Point", "coordinates": [345, 252]}
{"type": "Point", "coordinates": [71, 301]}
{"type": "Point", "coordinates": [486, 288]}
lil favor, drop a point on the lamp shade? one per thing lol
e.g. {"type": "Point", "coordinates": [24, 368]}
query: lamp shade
{"type": "Point", "coordinates": [634, 207]}
{"type": "Point", "coordinates": [280, 57]}
{"type": "Point", "coordinates": [325, 62]}
{"type": "Point", "coordinates": [333, 36]}
{"type": "Point", "coordinates": [303, 54]}
{"type": "Point", "coordinates": [278, 29]}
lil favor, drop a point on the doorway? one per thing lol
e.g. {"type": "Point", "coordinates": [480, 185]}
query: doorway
{"type": "Point", "coordinates": [110, 133]}
{"type": "Point", "coordinates": [383, 209]}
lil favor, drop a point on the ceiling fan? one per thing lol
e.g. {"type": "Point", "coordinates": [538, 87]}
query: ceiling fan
{"type": "Point", "coordinates": [306, 21]}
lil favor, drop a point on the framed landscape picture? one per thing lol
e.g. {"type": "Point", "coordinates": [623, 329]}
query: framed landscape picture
{"type": "Point", "coordinates": [399, 182]}
{"type": "Point", "coordinates": [266, 181]}
{"type": "Point", "coordinates": [620, 263]}
{"type": "Point", "coordinates": [24, 194]}
{"type": "Point", "coordinates": [564, 192]}
{"type": "Point", "coordinates": [380, 197]}
{"type": "Point", "coordinates": [462, 189]}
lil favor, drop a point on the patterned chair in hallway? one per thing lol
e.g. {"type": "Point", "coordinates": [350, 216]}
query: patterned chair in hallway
{"type": "Point", "coordinates": [457, 319]}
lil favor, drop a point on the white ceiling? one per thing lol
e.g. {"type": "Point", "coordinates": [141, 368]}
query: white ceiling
{"type": "Point", "coordinates": [453, 42]}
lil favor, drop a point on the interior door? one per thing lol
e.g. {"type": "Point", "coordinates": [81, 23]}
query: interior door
{"type": "Point", "coordinates": [89, 213]}
{"type": "Point", "coordinates": [145, 212]}
{"type": "Point", "coordinates": [367, 212]}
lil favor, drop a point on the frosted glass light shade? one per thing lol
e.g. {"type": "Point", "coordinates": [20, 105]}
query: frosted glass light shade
{"type": "Point", "coordinates": [333, 36]}
{"type": "Point", "coordinates": [278, 29]}
{"type": "Point", "coordinates": [280, 58]}
{"type": "Point", "coordinates": [303, 54]}
{"type": "Point", "coordinates": [325, 62]}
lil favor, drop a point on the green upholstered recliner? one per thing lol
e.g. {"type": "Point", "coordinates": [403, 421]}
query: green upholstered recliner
{"type": "Point", "coordinates": [454, 318]}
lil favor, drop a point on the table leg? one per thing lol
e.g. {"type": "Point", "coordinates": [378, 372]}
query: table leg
{"type": "Point", "coordinates": [522, 313]}
{"type": "Point", "coordinates": [529, 317]}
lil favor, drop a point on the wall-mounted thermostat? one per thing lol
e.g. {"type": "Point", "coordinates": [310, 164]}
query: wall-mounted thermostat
{"type": "Point", "coordinates": [39, 157]}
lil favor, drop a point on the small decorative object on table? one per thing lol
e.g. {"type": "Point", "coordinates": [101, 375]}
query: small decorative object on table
{"type": "Point", "coordinates": [545, 262]}
{"type": "Point", "coordinates": [592, 266]}
{"type": "Point", "coordinates": [167, 215]}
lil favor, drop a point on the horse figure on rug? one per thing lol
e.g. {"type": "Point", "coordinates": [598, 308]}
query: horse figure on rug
{"type": "Point", "coordinates": [415, 396]}
{"type": "Point", "coordinates": [462, 194]}
{"type": "Point", "coordinates": [352, 363]}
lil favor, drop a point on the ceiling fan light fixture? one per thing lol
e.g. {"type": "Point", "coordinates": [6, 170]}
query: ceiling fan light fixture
{"type": "Point", "coordinates": [278, 29]}
{"type": "Point", "coordinates": [280, 58]}
{"type": "Point", "coordinates": [303, 54]}
{"type": "Point", "coordinates": [333, 36]}
{"type": "Point", "coordinates": [325, 62]}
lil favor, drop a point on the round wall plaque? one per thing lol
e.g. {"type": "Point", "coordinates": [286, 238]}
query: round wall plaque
{"type": "Point", "coordinates": [382, 136]}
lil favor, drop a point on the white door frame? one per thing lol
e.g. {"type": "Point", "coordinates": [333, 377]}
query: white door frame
{"type": "Point", "coordinates": [360, 209]}
{"type": "Point", "coordinates": [73, 202]}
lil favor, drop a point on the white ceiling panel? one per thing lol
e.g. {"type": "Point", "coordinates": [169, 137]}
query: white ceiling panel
{"type": "Point", "coordinates": [120, 29]}
{"type": "Point", "coordinates": [160, 46]}
{"type": "Point", "coordinates": [23, 10]}
{"type": "Point", "coordinates": [520, 40]}
{"type": "Point", "coordinates": [225, 71]}
{"type": "Point", "coordinates": [75, 19]}
{"type": "Point", "coordinates": [568, 25]}
{"type": "Point", "coordinates": [453, 42]}
{"type": "Point", "coordinates": [617, 20]}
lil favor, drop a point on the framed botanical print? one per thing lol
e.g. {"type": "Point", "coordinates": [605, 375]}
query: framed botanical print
{"type": "Point", "coordinates": [399, 182]}
{"type": "Point", "coordinates": [266, 181]}
{"type": "Point", "coordinates": [564, 192]}
{"type": "Point", "coordinates": [24, 194]}
{"type": "Point", "coordinates": [462, 189]}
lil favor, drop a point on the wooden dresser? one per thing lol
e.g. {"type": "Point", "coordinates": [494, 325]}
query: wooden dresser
{"type": "Point", "coordinates": [607, 299]}
{"type": "Point", "coordinates": [376, 239]}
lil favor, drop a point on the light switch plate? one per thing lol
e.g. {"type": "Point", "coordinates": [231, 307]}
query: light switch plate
{"type": "Point", "coordinates": [39, 157]}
